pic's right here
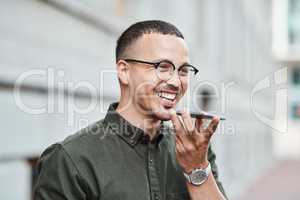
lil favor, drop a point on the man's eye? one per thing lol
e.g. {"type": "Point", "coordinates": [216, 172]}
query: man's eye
{"type": "Point", "coordinates": [184, 70]}
{"type": "Point", "coordinates": [164, 67]}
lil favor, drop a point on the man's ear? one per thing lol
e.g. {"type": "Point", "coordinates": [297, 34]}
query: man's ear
{"type": "Point", "coordinates": [123, 72]}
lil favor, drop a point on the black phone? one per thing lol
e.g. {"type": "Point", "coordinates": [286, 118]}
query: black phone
{"type": "Point", "coordinates": [202, 114]}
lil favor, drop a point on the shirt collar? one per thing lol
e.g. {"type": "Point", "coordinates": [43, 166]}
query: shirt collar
{"type": "Point", "coordinates": [128, 132]}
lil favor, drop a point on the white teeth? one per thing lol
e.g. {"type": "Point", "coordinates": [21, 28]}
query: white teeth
{"type": "Point", "coordinates": [166, 95]}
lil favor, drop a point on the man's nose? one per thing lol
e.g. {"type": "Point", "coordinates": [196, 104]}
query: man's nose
{"type": "Point", "coordinates": [175, 80]}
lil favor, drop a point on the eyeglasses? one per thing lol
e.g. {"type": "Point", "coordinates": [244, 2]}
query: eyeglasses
{"type": "Point", "coordinates": [165, 69]}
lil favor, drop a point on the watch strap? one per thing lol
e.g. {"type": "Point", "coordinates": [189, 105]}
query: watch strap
{"type": "Point", "coordinates": [207, 171]}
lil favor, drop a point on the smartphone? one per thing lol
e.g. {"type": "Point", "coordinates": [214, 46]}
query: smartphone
{"type": "Point", "coordinates": [202, 114]}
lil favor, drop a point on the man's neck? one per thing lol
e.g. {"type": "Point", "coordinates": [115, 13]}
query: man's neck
{"type": "Point", "coordinates": [144, 122]}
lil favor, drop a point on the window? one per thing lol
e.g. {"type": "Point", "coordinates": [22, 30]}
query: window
{"type": "Point", "coordinates": [295, 110]}
{"type": "Point", "coordinates": [295, 78]}
{"type": "Point", "coordinates": [286, 30]}
{"type": "Point", "coordinates": [294, 22]}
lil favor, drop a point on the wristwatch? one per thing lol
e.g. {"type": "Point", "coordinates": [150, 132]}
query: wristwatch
{"type": "Point", "coordinates": [198, 176]}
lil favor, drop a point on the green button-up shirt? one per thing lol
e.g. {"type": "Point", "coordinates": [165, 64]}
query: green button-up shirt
{"type": "Point", "coordinates": [110, 160]}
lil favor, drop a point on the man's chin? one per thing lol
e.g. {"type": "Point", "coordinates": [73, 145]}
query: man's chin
{"type": "Point", "coordinates": [163, 114]}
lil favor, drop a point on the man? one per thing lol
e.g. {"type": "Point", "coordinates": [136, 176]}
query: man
{"type": "Point", "coordinates": [131, 154]}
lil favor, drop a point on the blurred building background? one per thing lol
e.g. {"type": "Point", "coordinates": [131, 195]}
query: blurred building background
{"type": "Point", "coordinates": [57, 58]}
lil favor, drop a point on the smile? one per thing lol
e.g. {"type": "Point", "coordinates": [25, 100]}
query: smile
{"type": "Point", "coordinates": [166, 95]}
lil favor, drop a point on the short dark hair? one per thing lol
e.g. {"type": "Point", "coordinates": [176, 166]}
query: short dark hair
{"type": "Point", "coordinates": [132, 33]}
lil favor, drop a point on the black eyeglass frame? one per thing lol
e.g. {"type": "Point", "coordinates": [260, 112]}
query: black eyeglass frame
{"type": "Point", "coordinates": [156, 64]}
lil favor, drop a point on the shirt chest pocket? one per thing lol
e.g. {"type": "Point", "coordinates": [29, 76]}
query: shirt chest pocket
{"type": "Point", "coordinates": [178, 196]}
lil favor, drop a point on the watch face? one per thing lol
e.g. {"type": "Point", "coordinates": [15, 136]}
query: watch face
{"type": "Point", "coordinates": [198, 177]}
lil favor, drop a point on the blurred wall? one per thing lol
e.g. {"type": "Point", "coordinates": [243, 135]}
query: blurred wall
{"type": "Point", "coordinates": [73, 42]}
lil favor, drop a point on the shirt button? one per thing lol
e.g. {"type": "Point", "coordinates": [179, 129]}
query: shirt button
{"type": "Point", "coordinates": [156, 197]}
{"type": "Point", "coordinates": [151, 161]}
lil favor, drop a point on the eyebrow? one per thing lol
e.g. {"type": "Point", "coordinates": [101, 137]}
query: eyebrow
{"type": "Point", "coordinates": [165, 59]}
{"type": "Point", "coordinates": [185, 63]}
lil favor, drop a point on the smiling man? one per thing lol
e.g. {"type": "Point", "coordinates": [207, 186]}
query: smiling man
{"type": "Point", "coordinates": [132, 154]}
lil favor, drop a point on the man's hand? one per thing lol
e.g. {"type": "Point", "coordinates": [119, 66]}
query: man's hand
{"type": "Point", "coordinates": [192, 140]}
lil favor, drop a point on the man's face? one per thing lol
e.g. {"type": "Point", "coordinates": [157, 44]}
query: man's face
{"type": "Point", "coordinates": [150, 95]}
